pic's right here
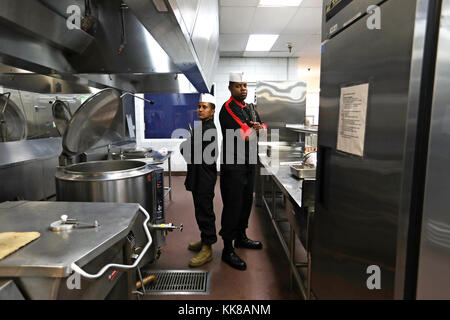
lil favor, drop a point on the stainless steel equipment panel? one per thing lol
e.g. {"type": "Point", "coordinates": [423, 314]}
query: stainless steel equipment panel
{"type": "Point", "coordinates": [345, 12]}
{"type": "Point", "coordinates": [205, 37]}
{"type": "Point", "coordinates": [27, 169]}
{"type": "Point", "coordinates": [191, 39]}
{"type": "Point", "coordinates": [280, 103]}
{"type": "Point", "coordinates": [357, 203]}
{"type": "Point", "coordinates": [189, 10]}
{"type": "Point", "coordinates": [433, 281]}
{"type": "Point", "coordinates": [18, 152]}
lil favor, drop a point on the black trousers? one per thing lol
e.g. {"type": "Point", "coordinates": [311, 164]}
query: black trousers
{"type": "Point", "coordinates": [237, 183]}
{"type": "Point", "coordinates": [203, 195]}
{"type": "Point", "coordinates": [206, 219]}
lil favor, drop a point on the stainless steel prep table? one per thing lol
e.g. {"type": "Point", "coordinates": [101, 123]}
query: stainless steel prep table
{"type": "Point", "coordinates": [298, 210]}
{"type": "Point", "coordinates": [40, 269]}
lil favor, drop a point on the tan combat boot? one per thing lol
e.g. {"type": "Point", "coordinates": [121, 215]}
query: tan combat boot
{"type": "Point", "coordinates": [203, 257]}
{"type": "Point", "coordinates": [195, 246]}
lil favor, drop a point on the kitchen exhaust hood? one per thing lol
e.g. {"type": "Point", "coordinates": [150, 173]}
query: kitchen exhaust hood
{"type": "Point", "coordinates": [129, 45]}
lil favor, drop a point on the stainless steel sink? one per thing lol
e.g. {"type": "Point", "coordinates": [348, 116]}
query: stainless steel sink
{"type": "Point", "coordinates": [303, 171]}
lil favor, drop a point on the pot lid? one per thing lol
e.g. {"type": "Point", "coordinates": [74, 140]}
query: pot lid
{"type": "Point", "coordinates": [91, 121]}
{"type": "Point", "coordinates": [13, 126]}
{"type": "Point", "coordinates": [62, 116]}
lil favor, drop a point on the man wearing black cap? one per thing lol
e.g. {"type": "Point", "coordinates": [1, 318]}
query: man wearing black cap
{"type": "Point", "coordinates": [240, 124]}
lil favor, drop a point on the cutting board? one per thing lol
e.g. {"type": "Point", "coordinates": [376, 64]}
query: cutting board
{"type": "Point", "coordinates": [13, 241]}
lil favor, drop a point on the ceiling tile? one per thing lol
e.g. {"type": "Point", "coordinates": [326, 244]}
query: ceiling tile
{"type": "Point", "coordinates": [299, 26]}
{"type": "Point", "coordinates": [235, 19]}
{"type": "Point", "coordinates": [312, 46]}
{"type": "Point", "coordinates": [239, 3]}
{"type": "Point", "coordinates": [311, 4]}
{"type": "Point", "coordinates": [233, 42]}
{"type": "Point", "coordinates": [305, 21]}
{"type": "Point", "coordinates": [271, 20]}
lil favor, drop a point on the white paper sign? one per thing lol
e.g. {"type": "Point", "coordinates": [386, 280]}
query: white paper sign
{"type": "Point", "coordinates": [352, 119]}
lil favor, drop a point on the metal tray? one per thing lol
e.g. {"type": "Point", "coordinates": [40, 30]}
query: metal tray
{"type": "Point", "coordinates": [303, 171]}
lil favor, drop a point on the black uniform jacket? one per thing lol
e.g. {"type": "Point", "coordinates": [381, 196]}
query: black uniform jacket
{"type": "Point", "coordinates": [201, 175]}
{"type": "Point", "coordinates": [237, 116]}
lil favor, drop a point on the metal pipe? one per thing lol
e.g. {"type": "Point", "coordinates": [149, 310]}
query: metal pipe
{"type": "Point", "coordinates": [136, 96]}
{"type": "Point", "coordinates": [170, 177]}
{"type": "Point", "coordinates": [80, 271]}
{"type": "Point", "coordinates": [291, 254]}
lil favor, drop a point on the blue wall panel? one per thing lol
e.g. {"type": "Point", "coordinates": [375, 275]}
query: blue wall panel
{"type": "Point", "coordinates": [170, 112]}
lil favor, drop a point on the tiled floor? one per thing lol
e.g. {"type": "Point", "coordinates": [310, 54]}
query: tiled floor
{"type": "Point", "coordinates": [267, 274]}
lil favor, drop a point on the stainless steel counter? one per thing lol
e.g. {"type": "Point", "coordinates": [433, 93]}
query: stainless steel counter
{"type": "Point", "coordinates": [53, 253]}
{"type": "Point", "coordinates": [297, 208]}
{"type": "Point", "coordinates": [27, 169]}
{"type": "Point", "coordinates": [20, 152]}
{"type": "Point", "coordinates": [291, 186]}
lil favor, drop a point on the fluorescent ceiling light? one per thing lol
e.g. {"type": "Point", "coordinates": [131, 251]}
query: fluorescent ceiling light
{"type": "Point", "coordinates": [279, 3]}
{"type": "Point", "coordinates": [261, 42]}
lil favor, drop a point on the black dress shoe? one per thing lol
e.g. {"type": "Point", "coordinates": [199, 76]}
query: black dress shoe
{"type": "Point", "coordinates": [233, 260]}
{"type": "Point", "coordinates": [247, 243]}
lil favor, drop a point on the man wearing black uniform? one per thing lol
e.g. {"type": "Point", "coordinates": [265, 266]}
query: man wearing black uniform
{"type": "Point", "coordinates": [240, 124]}
{"type": "Point", "coordinates": [199, 151]}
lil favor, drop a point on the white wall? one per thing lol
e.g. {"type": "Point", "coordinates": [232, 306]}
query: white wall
{"type": "Point", "coordinates": [257, 69]}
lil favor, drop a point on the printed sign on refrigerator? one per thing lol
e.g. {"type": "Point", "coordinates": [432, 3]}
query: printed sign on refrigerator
{"type": "Point", "coordinates": [352, 119]}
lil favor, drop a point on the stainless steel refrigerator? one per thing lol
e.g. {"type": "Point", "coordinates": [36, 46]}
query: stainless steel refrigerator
{"type": "Point", "coordinates": [381, 227]}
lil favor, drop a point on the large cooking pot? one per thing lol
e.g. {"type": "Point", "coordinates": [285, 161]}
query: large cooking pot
{"type": "Point", "coordinates": [116, 181]}
{"type": "Point", "coordinates": [108, 181]}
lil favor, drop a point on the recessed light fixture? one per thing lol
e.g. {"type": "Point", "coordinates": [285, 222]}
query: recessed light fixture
{"type": "Point", "coordinates": [279, 3]}
{"type": "Point", "coordinates": [261, 42]}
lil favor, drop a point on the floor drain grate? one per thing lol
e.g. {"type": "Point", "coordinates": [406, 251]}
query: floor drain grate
{"type": "Point", "coordinates": [179, 282]}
